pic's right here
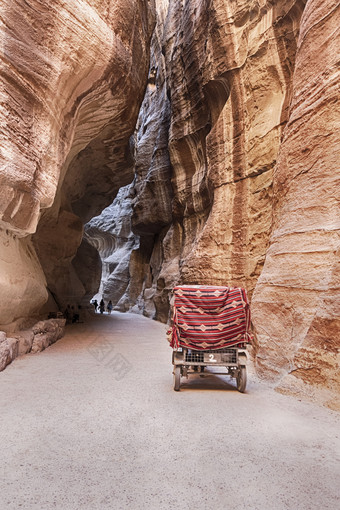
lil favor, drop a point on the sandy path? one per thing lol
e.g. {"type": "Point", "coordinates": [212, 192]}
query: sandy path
{"type": "Point", "coordinates": [93, 423]}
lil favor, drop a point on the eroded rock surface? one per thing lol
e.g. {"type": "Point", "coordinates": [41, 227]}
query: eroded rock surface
{"type": "Point", "coordinates": [110, 234]}
{"type": "Point", "coordinates": [234, 158]}
{"type": "Point", "coordinates": [297, 298]}
{"type": "Point", "coordinates": [33, 340]}
{"type": "Point", "coordinates": [211, 122]}
{"type": "Point", "coordinates": [73, 77]}
{"type": "Point", "coordinates": [241, 111]}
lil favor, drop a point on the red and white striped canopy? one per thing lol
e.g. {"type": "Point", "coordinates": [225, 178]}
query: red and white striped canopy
{"type": "Point", "coordinates": [209, 317]}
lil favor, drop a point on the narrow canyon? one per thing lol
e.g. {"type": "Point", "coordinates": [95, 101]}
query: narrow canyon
{"type": "Point", "coordinates": [149, 143]}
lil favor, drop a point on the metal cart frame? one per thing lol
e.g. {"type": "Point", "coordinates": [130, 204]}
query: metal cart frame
{"type": "Point", "coordinates": [232, 359]}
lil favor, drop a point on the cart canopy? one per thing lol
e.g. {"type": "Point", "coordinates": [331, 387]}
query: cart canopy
{"type": "Point", "coordinates": [209, 317]}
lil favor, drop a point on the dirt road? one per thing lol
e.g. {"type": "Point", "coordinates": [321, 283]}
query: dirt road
{"type": "Point", "coordinates": [93, 423]}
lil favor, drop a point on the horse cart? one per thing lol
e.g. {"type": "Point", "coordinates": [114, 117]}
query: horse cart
{"type": "Point", "coordinates": [210, 328]}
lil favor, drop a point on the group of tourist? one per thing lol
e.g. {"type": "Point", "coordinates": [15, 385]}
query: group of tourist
{"type": "Point", "coordinates": [101, 306]}
{"type": "Point", "coordinates": [74, 314]}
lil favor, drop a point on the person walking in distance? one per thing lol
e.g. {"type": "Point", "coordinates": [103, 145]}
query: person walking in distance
{"type": "Point", "coordinates": [109, 306]}
{"type": "Point", "coordinates": [101, 306]}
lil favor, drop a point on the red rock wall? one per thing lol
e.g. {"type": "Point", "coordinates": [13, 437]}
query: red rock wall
{"type": "Point", "coordinates": [296, 304]}
{"type": "Point", "coordinates": [73, 78]}
{"type": "Point", "coordinates": [216, 114]}
{"type": "Point", "coordinates": [244, 107]}
{"type": "Point", "coordinates": [234, 157]}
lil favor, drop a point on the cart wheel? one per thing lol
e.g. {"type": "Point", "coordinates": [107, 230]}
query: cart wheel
{"type": "Point", "coordinates": [241, 379]}
{"type": "Point", "coordinates": [177, 377]}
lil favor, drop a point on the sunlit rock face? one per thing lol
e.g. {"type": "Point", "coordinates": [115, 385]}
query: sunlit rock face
{"type": "Point", "coordinates": [110, 234]}
{"type": "Point", "coordinates": [73, 78]}
{"type": "Point", "coordinates": [296, 305]}
{"type": "Point", "coordinates": [233, 160]}
{"type": "Point", "coordinates": [240, 114]}
{"type": "Point", "coordinates": [225, 97]}
{"type": "Point", "coordinates": [136, 276]}
{"type": "Point", "coordinates": [207, 140]}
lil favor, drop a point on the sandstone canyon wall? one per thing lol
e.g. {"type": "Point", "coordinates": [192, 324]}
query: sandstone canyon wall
{"type": "Point", "coordinates": [111, 235]}
{"type": "Point", "coordinates": [207, 140]}
{"type": "Point", "coordinates": [237, 174]}
{"type": "Point", "coordinates": [230, 175]}
{"type": "Point", "coordinates": [298, 292]}
{"type": "Point", "coordinates": [73, 77]}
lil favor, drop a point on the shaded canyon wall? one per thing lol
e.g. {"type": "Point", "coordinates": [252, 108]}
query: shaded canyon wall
{"type": "Point", "coordinates": [237, 176]}
{"type": "Point", "coordinates": [73, 78]}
